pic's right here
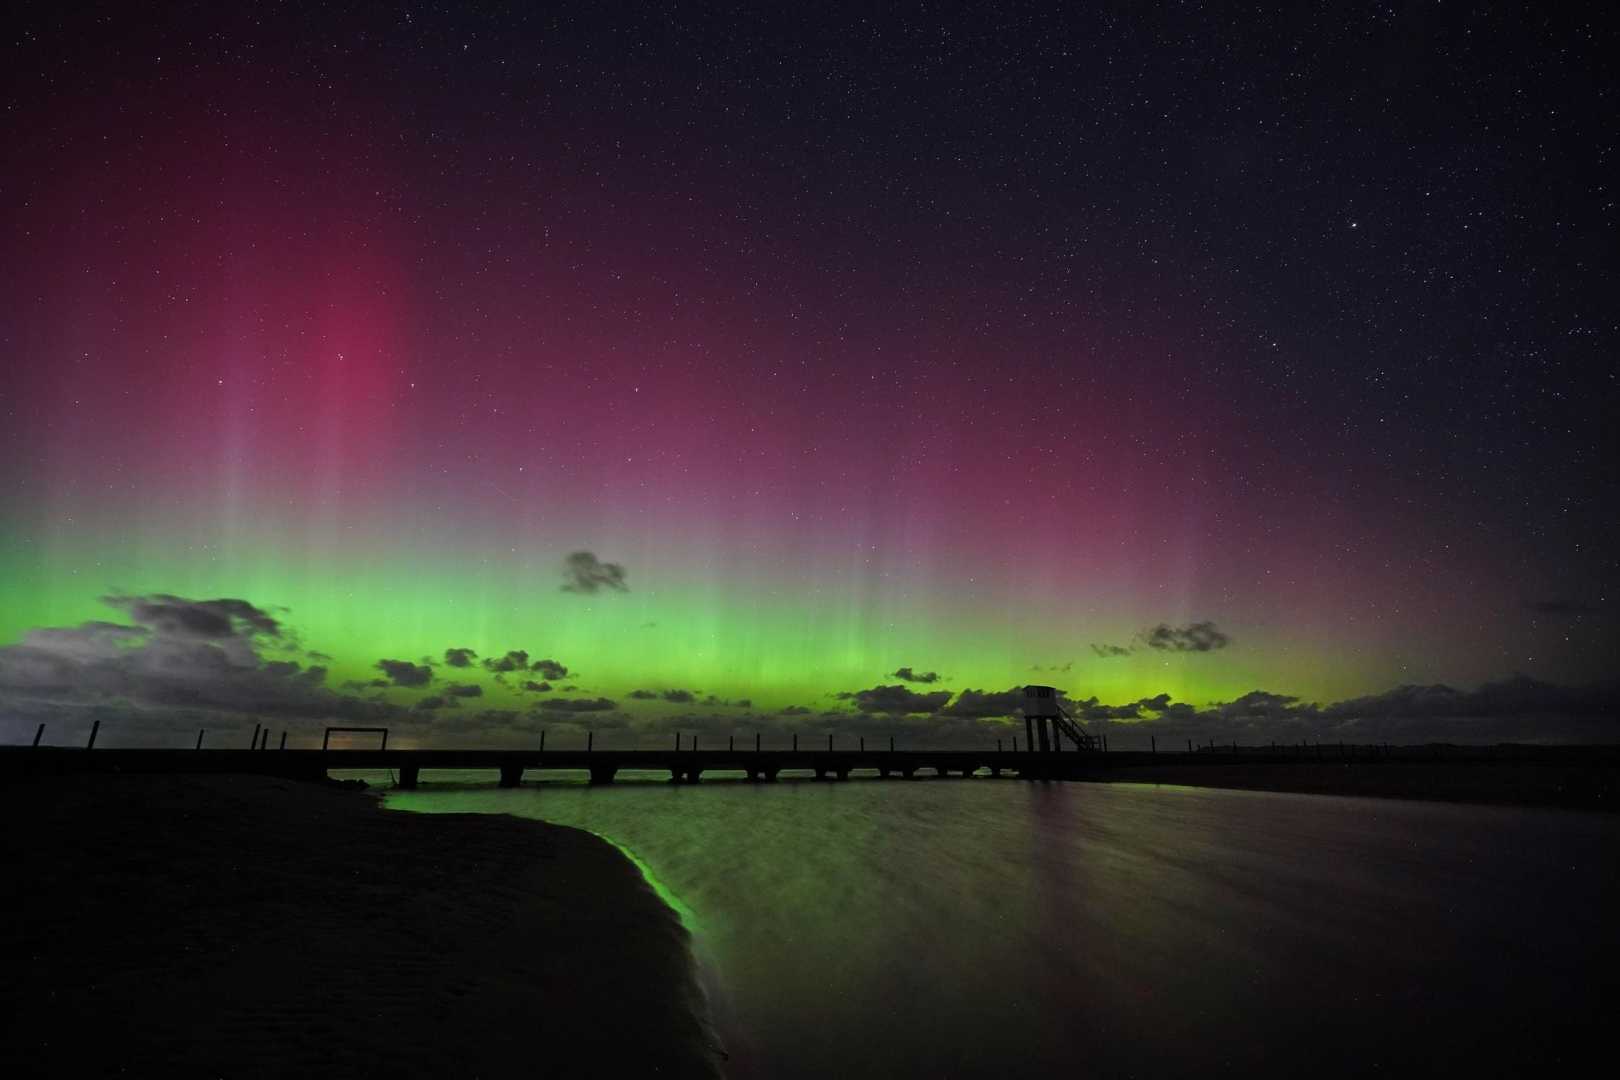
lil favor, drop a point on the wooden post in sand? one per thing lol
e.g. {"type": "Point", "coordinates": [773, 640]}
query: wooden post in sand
{"type": "Point", "coordinates": [731, 742]}
{"type": "Point", "coordinates": [590, 737]}
{"type": "Point", "coordinates": [542, 742]}
{"type": "Point", "coordinates": [254, 744]}
{"type": "Point", "coordinates": [94, 728]}
{"type": "Point", "coordinates": [795, 742]}
{"type": "Point", "coordinates": [1153, 741]}
{"type": "Point", "coordinates": [756, 742]}
{"type": "Point", "coordinates": [891, 744]}
{"type": "Point", "coordinates": [283, 740]}
{"type": "Point", "coordinates": [39, 733]}
{"type": "Point", "coordinates": [200, 733]}
{"type": "Point", "coordinates": [829, 742]}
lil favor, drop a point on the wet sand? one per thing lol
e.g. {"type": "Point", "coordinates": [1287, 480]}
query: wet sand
{"type": "Point", "coordinates": [248, 926]}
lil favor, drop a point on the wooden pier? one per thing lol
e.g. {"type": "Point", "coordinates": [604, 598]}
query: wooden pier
{"type": "Point", "coordinates": [682, 766]}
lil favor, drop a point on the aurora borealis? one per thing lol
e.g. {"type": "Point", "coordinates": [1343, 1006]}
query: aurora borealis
{"type": "Point", "coordinates": [1137, 357]}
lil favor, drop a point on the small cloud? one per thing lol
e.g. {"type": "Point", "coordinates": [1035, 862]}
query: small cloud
{"type": "Point", "coordinates": [578, 705]}
{"type": "Point", "coordinates": [459, 657]}
{"type": "Point", "coordinates": [643, 695]}
{"type": "Point", "coordinates": [795, 710]}
{"type": "Point", "coordinates": [911, 676]}
{"type": "Point", "coordinates": [679, 697]}
{"type": "Point", "coordinates": [896, 700]}
{"type": "Point", "coordinates": [986, 703]}
{"type": "Point", "coordinates": [1194, 637]}
{"type": "Point", "coordinates": [405, 673]}
{"type": "Point", "coordinates": [1109, 652]}
{"type": "Point", "coordinates": [536, 687]}
{"type": "Point", "coordinates": [464, 690]}
{"type": "Point", "coordinates": [550, 669]}
{"type": "Point", "coordinates": [583, 572]}
{"type": "Point", "coordinates": [514, 660]}
{"type": "Point", "coordinates": [1056, 668]}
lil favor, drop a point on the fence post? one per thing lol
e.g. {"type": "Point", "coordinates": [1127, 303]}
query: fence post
{"type": "Point", "coordinates": [829, 742]}
{"type": "Point", "coordinates": [891, 744]}
{"type": "Point", "coordinates": [94, 728]}
{"type": "Point", "coordinates": [39, 733]}
{"type": "Point", "coordinates": [756, 742]}
{"type": "Point", "coordinates": [283, 740]}
{"type": "Point", "coordinates": [254, 743]}
{"type": "Point", "coordinates": [795, 742]}
{"type": "Point", "coordinates": [1189, 746]}
{"type": "Point", "coordinates": [863, 744]}
{"type": "Point", "coordinates": [731, 742]}
{"type": "Point", "coordinates": [200, 733]}
{"type": "Point", "coordinates": [998, 746]}
{"type": "Point", "coordinates": [677, 740]}
{"type": "Point", "coordinates": [1015, 744]}
{"type": "Point", "coordinates": [590, 738]}
{"type": "Point", "coordinates": [1153, 741]}
{"type": "Point", "coordinates": [542, 741]}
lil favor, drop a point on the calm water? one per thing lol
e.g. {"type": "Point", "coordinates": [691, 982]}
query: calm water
{"type": "Point", "coordinates": [981, 927]}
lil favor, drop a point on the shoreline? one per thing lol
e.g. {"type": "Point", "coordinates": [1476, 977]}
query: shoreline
{"type": "Point", "coordinates": [254, 926]}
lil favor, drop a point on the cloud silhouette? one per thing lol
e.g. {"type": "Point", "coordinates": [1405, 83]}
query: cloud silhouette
{"type": "Point", "coordinates": [583, 572]}
{"type": "Point", "coordinates": [912, 676]}
{"type": "Point", "coordinates": [1109, 652]}
{"type": "Point", "coordinates": [405, 673]}
{"type": "Point", "coordinates": [984, 704]}
{"type": "Point", "coordinates": [514, 660]}
{"type": "Point", "coordinates": [459, 657]}
{"type": "Point", "coordinates": [1194, 637]}
{"type": "Point", "coordinates": [549, 669]}
{"type": "Point", "coordinates": [896, 700]}
{"type": "Point", "coordinates": [464, 690]}
{"type": "Point", "coordinates": [578, 705]}
{"type": "Point", "coordinates": [536, 687]}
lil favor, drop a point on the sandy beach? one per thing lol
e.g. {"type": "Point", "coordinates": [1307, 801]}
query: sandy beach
{"type": "Point", "coordinates": [250, 926]}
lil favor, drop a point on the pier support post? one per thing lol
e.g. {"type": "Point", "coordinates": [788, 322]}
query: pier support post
{"type": "Point", "coordinates": [694, 774]}
{"type": "Point", "coordinates": [407, 776]}
{"type": "Point", "coordinates": [843, 773]}
{"type": "Point", "coordinates": [511, 775]}
{"type": "Point", "coordinates": [770, 775]}
{"type": "Point", "coordinates": [603, 774]}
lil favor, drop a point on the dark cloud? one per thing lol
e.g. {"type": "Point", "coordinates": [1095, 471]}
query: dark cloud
{"type": "Point", "coordinates": [405, 673]}
{"type": "Point", "coordinates": [184, 663]}
{"type": "Point", "coordinates": [435, 701]}
{"type": "Point", "coordinates": [1109, 652]}
{"type": "Point", "coordinates": [985, 704]}
{"type": "Point", "coordinates": [897, 700]}
{"type": "Point", "coordinates": [550, 669]}
{"type": "Point", "coordinates": [1057, 668]}
{"type": "Point", "coordinates": [536, 687]}
{"type": "Point", "coordinates": [794, 710]}
{"type": "Point", "coordinates": [912, 676]}
{"type": "Point", "coordinates": [643, 695]}
{"type": "Point", "coordinates": [1194, 637]}
{"type": "Point", "coordinates": [515, 660]}
{"type": "Point", "coordinates": [459, 657]}
{"type": "Point", "coordinates": [578, 705]}
{"type": "Point", "coordinates": [727, 703]}
{"type": "Point", "coordinates": [584, 573]}
{"type": "Point", "coordinates": [178, 617]}
{"type": "Point", "coordinates": [464, 690]}
{"type": "Point", "coordinates": [1564, 607]}
{"type": "Point", "coordinates": [680, 697]}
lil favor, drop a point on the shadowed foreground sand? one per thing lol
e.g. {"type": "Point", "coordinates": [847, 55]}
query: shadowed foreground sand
{"type": "Point", "coordinates": [246, 926]}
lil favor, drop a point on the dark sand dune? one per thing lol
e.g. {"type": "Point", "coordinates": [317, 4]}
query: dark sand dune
{"type": "Point", "coordinates": [246, 926]}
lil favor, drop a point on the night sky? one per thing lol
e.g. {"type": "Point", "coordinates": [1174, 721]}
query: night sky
{"type": "Point", "coordinates": [495, 369]}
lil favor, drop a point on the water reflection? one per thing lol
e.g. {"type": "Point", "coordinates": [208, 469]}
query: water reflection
{"type": "Point", "coordinates": [987, 927]}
